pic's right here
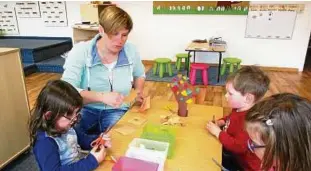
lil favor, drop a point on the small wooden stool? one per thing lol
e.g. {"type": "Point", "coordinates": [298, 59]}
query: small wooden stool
{"type": "Point", "coordinates": [231, 62]}
{"type": "Point", "coordinates": [199, 66]}
{"type": "Point", "coordinates": [180, 57]}
{"type": "Point", "coordinates": [164, 65]}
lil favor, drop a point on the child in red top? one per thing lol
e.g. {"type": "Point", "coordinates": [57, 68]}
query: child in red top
{"type": "Point", "coordinates": [244, 88]}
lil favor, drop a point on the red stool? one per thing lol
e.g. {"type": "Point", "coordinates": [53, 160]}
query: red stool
{"type": "Point", "coordinates": [199, 66]}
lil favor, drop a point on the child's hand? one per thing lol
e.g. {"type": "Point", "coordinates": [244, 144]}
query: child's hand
{"type": "Point", "coordinates": [220, 123]}
{"type": "Point", "coordinates": [107, 139]}
{"type": "Point", "coordinates": [99, 152]}
{"type": "Point", "coordinates": [213, 129]}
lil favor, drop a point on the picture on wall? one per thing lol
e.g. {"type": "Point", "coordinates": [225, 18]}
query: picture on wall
{"type": "Point", "coordinates": [54, 13]}
{"type": "Point", "coordinates": [8, 22]}
{"type": "Point", "coordinates": [201, 7]}
{"type": "Point", "coordinates": [27, 9]}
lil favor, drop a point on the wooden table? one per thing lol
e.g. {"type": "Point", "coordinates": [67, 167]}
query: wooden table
{"type": "Point", "coordinates": [195, 147]}
{"type": "Point", "coordinates": [205, 47]}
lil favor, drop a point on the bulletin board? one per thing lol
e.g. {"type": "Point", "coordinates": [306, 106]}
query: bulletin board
{"type": "Point", "coordinates": [8, 22]}
{"type": "Point", "coordinates": [27, 9]}
{"type": "Point", "coordinates": [201, 7]}
{"type": "Point", "coordinates": [54, 13]}
{"type": "Point", "coordinates": [271, 22]}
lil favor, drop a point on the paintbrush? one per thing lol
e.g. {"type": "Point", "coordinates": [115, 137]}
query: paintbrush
{"type": "Point", "coordinates": [113, 158]}
{"type": "Point", "coordinates": [214, 121]}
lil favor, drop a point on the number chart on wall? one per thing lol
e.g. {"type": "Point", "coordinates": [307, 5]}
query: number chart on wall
{"type": "Point", "coordinates": [8, 22]}
{"type": "Point", "coordinates": [201, 7]}
{"type": "Point", "coordinates": [27, 9]}
{"type": "Point", "coordinates": [54, 13]}
{"type": "Point", "coordinates": [270, 22]}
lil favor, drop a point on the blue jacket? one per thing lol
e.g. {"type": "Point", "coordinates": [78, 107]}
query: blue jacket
{"type": "Point", "coordinates": [61, 154]}
{"type": "Point", "coordinates": [83, 69]}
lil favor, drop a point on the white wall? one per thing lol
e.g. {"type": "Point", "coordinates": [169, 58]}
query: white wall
{"type": "Point", "coordinates": [35, 26]}
{"type": "Point", "coordinates": [165, 35]}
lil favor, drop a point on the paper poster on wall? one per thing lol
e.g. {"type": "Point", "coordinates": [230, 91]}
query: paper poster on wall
{"type": "Point", "coordinates": [54, 13]}
{"type": "Point", "coordinates": [270, 23]}
{"type": "Point", "coordinates": [299, 8]}
{"type": "Point", "coordinates": [201, 7]}
{"type": "Point", "coordinates": [27, 9]}
{"type": "Point", "coordinates": [8, 22]}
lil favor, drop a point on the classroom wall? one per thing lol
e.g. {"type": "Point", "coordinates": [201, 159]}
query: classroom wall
{"type": "Point", "coordinates": [165, 35]}
{"type": "Point", "coordinates": [35, 26]}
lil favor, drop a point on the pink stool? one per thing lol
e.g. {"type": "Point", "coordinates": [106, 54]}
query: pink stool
{"type": "Point", "coordinates": [199, 66]}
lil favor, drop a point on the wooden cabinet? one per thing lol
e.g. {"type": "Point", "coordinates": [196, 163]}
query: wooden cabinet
{"type": "Point", "coordinates": [14, 113]}
{"type": "Point", "coordinates": [91, 12]}
{"type": "Point", "coordinates": [84, 32]}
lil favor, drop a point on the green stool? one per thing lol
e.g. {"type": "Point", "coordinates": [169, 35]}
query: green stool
{"type": "Point", "coordinates": [163, 64]}
{"type": "Point", "coordinates": [231, 62]}
{"type": "Point", "coordinates": [180, 57]}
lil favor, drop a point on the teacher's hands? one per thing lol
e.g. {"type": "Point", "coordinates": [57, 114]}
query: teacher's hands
{"type": "Point", "coordinates": [113, 99]}
{"type": "Point", "coordinates": [140, 98]}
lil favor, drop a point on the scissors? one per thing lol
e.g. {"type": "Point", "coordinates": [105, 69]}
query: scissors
{"type": "Point", "coordinates": [101, 140]}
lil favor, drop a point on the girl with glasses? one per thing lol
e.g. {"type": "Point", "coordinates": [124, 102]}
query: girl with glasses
{"type": "Point", "coordinates": [280, 132]}
{"type": "Point", "coordinates": [55, 143]}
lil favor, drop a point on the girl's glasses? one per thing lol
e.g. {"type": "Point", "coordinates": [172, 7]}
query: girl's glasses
{"type": "Point", "coordinates": [252, 146]}
{"type": "Point", "coordinates": [75, 118]}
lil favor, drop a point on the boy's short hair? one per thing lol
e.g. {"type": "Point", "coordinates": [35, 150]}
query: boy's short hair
{"type": "Point", "coordinates": [250, 79]}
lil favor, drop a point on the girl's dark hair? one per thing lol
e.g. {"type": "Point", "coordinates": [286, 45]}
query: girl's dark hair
{"type": "Point", "coordinates": [285, 125]}
{"type": "Point", "coordinates": [58, 97]}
